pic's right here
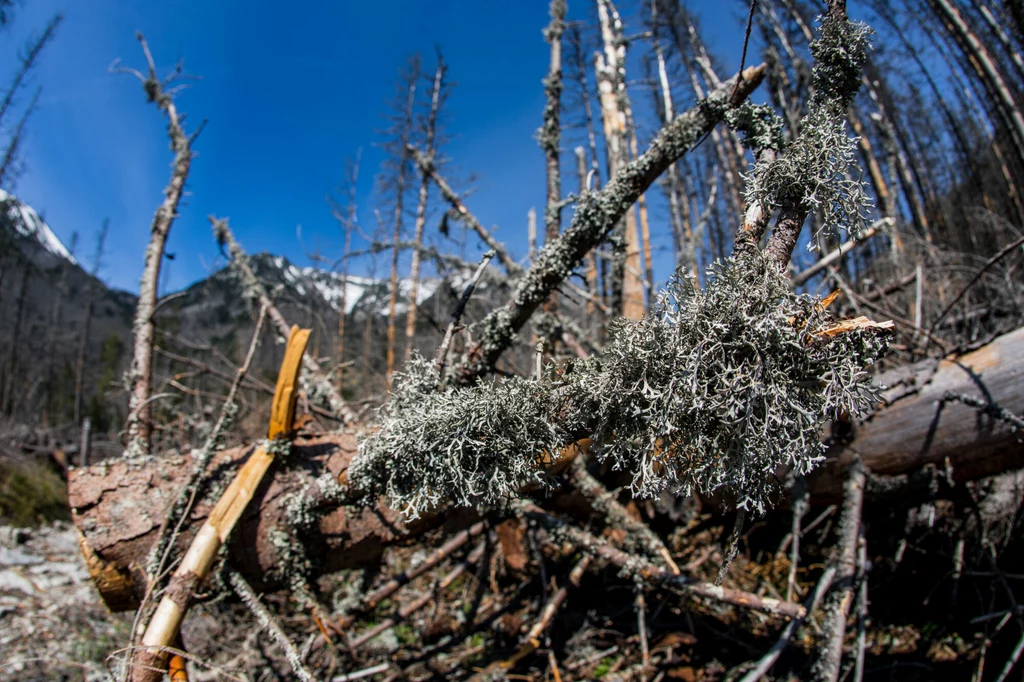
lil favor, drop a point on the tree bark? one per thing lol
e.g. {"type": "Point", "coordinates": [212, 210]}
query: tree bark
{"type": "Point", "coordinates": [549, 138]}
{"type": "Point", "coordinates": [610, 68]}
{"type": "Point", "coordinates": [119, 508]}
{"type": "Point", "coordinates": [828, 663]}
{"type": "Point", "coordinates": [917, 428]}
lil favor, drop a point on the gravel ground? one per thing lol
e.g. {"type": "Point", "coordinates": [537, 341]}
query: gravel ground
{"type": "Point", "coordinates": [53, 624]}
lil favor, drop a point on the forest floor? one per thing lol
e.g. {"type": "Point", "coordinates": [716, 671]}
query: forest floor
{"type": "Point", "coordinates": [53, 625]}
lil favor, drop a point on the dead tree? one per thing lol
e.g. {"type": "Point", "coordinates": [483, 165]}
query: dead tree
{"type": "Point", "coordinates": [549, 134]}
{"type": "Point", "coordinates": [980, 58]}
{"type": "Point", "coordinates": [83, 336]}
{"type": "Point", "coordinates": [428, 167]}
{"type": "Point", "coordinates": [347, 218]}
{"type": "Point", "coordinates": [430, 144]}
{"type": "Point", "coordinates": [56, 317]}
{"type": "Point", "coordinates": [919, 427]}
{"type": "Point", "coordinates": [7, 401]}
{"type": "Point", "coordinates": [401, 174]}
{"type": "Point", "coordinates": [678, 205]}
{"type": "Point", "coordinates": [891, 443]}
{"type": "Point", "coordinates": [139, 425]}
{"type": "Point", "coordinates": [828, 664]}
{"type": "Point", "coordinates": [318, 387]}
{"type": "Point", "coordinates": [550, 131]}
{"type": "Point", "coordinates": [610, 68]}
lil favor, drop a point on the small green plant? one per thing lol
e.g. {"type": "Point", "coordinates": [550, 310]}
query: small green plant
{"type": "Point", "coordinates": [603, 667]}
{"type": "Point", "coordinates": [406, 634]}
{"type": "Point", "coordinates": [31, 493]}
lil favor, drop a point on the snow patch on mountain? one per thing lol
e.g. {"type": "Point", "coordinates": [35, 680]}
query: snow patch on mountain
{"type": "Point", "coordinates": [28, 223]}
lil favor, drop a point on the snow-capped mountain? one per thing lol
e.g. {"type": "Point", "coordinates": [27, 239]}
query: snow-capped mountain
{"type": "Point", "coordinates": [28, 223]}
{"type": "Point", "coordinates": [333, 286]}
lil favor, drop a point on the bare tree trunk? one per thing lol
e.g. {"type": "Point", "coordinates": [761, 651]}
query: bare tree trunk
{"type": "Point", "coordinates": [348, 223]}
{"type": "Point", "coordinates": [531, 234]}
{"type": "Point", "coordinates": [645, 229]}
{"type": "Point", "coordinates": [1004, 39]}
{"type": "Point", "coordinates": [627, 285]}
{"type": "Point", "coordinates": [910, 191]}
{"type": "Point", "coordinates": [918, 427]}
{"type": "Point", "coordinates": [963, 87]}
{"type": "Point", "coordinates": [867, 152]}
{"type": "Point", "coordinates": [421, 206]}
{"type": "Point", "coordinates": [403, 160]}
{"type": "Point", "coordinates": [550, 136]}
{"type": "Point", "coordinates": [581, 174]}
{"type": "Point", "coordinates": [139, 424]}
{"type": "Point", "coordinates": [600, 271]}
{"type": "Point", "coordinates": [550, 132]}
{"type": "Point", "coordinates": [727, 145]}
{"type": "Point", "coordinates": [952, 124]}
{"type": "Point", "coordinates": [666, 110]}
{"type": "Point", "coordinates": [83, 340]}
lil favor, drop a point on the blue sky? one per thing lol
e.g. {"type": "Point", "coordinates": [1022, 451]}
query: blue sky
{"type": "Point", "coordinates": [288, 95]}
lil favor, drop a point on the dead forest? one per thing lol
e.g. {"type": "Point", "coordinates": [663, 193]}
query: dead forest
{"type": "Point", "coordinates": [742, 400]}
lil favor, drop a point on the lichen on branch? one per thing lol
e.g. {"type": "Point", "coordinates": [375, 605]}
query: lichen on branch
{"type": "Point", "coordinates": [813, 171]}
{"type": "Point", "coordinates": [717, 389]}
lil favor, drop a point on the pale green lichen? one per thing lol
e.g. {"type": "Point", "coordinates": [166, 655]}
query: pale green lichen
{"type": "Point", "coordinates": [721, 387]}
{"type": "Point", "coordinates": [813, 171]}
{"type": "Point", "coordinates": [473, 446]}
{"type": "Point", "coordinates": [716, 390]}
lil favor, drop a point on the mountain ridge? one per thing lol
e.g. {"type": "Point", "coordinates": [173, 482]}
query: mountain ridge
{"type": "Point", "coordinates": [46, 298]}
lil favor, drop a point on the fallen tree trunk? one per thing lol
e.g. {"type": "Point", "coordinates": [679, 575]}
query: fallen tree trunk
{"type": "Point", "coordinates": [119, 505]}
{"type": "Point", "coordinates": [919, 426]}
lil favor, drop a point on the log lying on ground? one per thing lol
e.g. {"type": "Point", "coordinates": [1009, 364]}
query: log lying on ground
{"type": "Point", "coordinates": [118, 506]}
{"type": "Point", "coordinates": [918, 427]}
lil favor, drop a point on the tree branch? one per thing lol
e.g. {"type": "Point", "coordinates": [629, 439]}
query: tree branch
{"type": "Point", "coordinates": [596, 216]}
